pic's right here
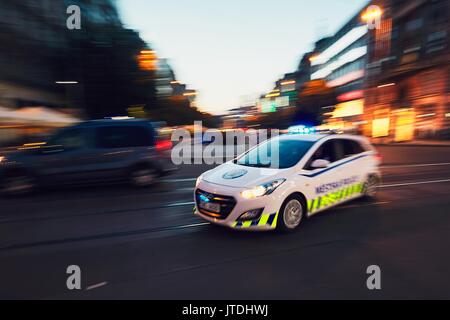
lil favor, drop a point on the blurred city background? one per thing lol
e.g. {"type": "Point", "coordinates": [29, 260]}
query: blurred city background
{"type": "Point", "coordinates": [391, 83]}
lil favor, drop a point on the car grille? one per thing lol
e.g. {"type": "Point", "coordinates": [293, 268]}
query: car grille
{"type": "Point", "coordinates": [227, 204]}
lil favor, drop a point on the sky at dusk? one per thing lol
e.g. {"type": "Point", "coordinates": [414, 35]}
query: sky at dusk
{"type": "Point", "coordinates": [234, 50]}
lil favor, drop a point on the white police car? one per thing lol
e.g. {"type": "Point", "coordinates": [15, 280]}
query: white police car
{"type": "Point", "coordinates": [282, 181]}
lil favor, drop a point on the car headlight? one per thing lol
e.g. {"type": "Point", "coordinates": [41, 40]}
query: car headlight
{"type": "Point", "coordinates": [262, 190]}
{"type": "Point", "coordinates": [2, 159]}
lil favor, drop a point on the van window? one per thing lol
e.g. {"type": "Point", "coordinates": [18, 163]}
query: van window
{"type": "Point", "coordinates": [123, 137]}
{"type": "Point", "coordinates": [69, 139]}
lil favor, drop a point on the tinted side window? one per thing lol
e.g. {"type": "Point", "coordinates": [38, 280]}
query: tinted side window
{"type": "Point", "coordinates": [69, 139]}
{"type": "Point", "coordinates": [123, 137]}
{"type": "Point", "coordinates": [326, 151]}
{"type": "Point", "coordinates": [350, 148]}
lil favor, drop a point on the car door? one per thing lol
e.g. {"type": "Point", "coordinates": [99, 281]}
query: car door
{"type": "Point", "coordinates": [66, 157]}
{"type": "Point", "coordinates": [325, 182]}
{"type": "Point", "coordinates": [119, 147]}
{"type": "Point", "coordinates": [354, 163]}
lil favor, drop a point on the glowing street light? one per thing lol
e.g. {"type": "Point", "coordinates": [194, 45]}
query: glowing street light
{"type": "Point", "coordinates": [66, 82]}
{"type": "Point", "coordinates": [149, 52]}
{"type": "Point", "coordinates": [289, 82]}
{"type": "Point", "coordinates": [147, 60]}
{"type": "Point", "coordinates": [372, 16]}
{"type": "Point", "coordinates": [371, 13]}
{"type": "Point", "coordinates": [314, 58]}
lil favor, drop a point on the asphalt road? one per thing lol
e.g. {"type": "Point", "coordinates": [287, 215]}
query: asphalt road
{"type": "Point", "coordinates": [147, 244]}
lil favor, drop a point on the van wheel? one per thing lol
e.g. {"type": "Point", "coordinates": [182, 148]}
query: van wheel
{"type": "Point", "coordinates": [291, 214]}
{"type": "Point", "coordinates": [143, 176]}
{"type": "Point", "coordinates": [17, 184]}
{"type": "Point", "coordinates": [371, 187]}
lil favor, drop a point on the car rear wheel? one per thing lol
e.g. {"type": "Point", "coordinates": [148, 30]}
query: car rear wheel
{"type": "Point", "coordinates": [143, 176]}
{"type": "Point", "coordinates": [371, 187]}
{"type": "Point", "coordinates": [18, 184]}
{"type": "Point", "coordinates": [291, 214]}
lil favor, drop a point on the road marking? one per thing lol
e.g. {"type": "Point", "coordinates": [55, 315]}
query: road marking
{"type": "Point", "coordinates": [95, 286]}
{"type": "Point", "coordinates": [185, 189]}
{"type": "Point", "coordinates": [179, 180]}
{"type": "Point", "coordinates": [363, 205]}
{"type": "Point", "coordinates": [413, 183]}
{"type": "Point", "coordinates": [416, 165]}
{"type": "Point", "coordinates": [180, 204]}
{"type": "Point", "coordinates": [101, 237]}
{"type": "Point", "coordinates": [5, 219]}
{"type": "Point", "coordinates": [194, 225]}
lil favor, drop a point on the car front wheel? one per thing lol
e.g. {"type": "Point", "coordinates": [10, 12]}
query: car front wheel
{"type": "Point", "coordinates": [291, 214]}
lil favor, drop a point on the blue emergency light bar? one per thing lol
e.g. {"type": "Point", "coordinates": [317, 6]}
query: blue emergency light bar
{"type": "Point", "coordinates": [301, 130]}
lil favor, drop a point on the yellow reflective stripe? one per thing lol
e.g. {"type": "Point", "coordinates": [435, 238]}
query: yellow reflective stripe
{"type": "Point", "coordinates": [234, 225]}
{"type": "Point", "coordinates": [361, 187]}
{"type": "Point", "coordinates": [263, 220]}
{"type": "Point", "coordinates": [317, 202]}
{"type": "Point", "coordinates": [326, 200]}
{"type": "Point", "coordinates": [335, 197]}
{"type": "Point", "coordinates": [275, 220]}
{"type": "Point", "coordinates": [344, 193]}
{"type": "Point", "coordinates": [331, 198]}
{"type": "Point", "coordinates": [352, 191]}
{"type": "Point", "coordinates": [310, 203]}
{"type": "Point", "coordinates": [348, 192]}
{"type": "Point", "coordinates": [246, 224]}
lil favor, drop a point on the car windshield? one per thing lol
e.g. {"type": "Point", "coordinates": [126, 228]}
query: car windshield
{"type": "Point", "coordinates": [275, 153]}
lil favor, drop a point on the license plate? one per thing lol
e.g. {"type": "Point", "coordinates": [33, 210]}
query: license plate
{"type": "Point", "coordinates": [209, 206]}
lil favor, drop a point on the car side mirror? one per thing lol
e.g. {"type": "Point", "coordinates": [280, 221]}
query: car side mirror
{"type": "Point", "coordinates": [320, 164]}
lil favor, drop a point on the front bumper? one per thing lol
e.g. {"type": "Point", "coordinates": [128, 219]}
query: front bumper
{"type": "Point", "coordinates": [265, 222]}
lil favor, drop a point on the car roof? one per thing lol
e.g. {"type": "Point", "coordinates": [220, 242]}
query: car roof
{"type": "Point", "coordinates": [112, 122]}
{"type": "Point", "coordinates": [317, 137]}
{"type": "Point", "coordinates": [304, 137]}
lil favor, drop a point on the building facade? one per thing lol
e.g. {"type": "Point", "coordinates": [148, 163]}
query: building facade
{"type": "Point", "coordinates": [36, 40]}
{"type": "Point", "coordinates": [408, 72]}
{"type": "Point", "coordinates": [340, 61]}
{"type": "Point", "coordinates": [287, 89]}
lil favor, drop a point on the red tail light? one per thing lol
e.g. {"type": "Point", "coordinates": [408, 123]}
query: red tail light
{"type": "Point", "coordinates": [379, 158]}
{"type": "Point", "coordinates": [163, 145]}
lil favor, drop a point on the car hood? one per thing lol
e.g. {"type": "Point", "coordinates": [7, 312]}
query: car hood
{"type": "Point", "coordinates": [233, 175]}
